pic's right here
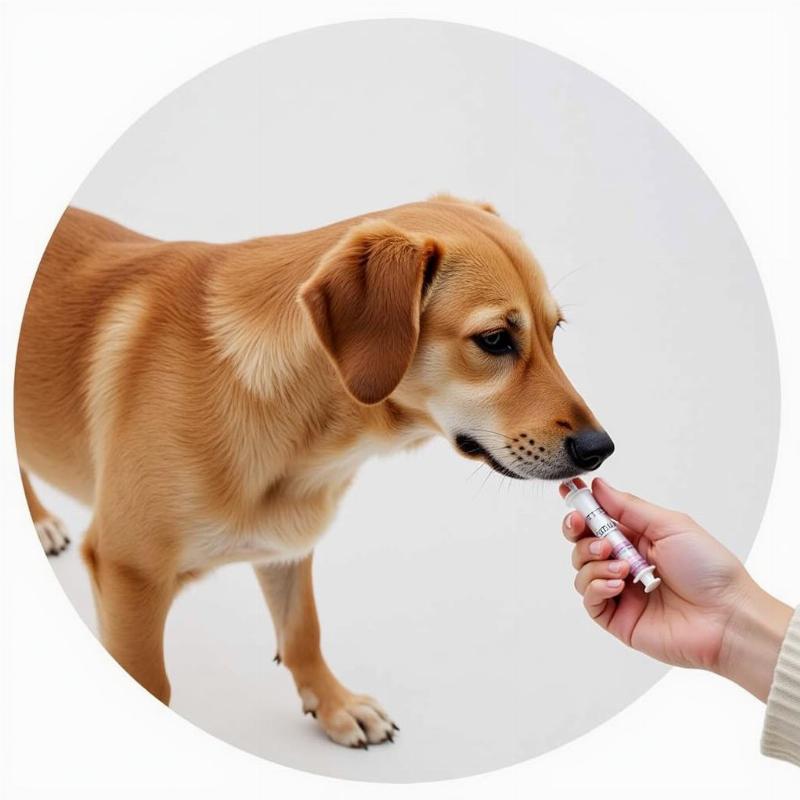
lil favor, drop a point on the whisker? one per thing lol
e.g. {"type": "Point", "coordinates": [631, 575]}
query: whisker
{"type": "Point", "coordinates": [567, 275]}
{"type": "Point", "coordinates": [494, 433]}
{"type": "Point", "coordinates": [475, 471]}
{"type": "Point", "coordinates": [488, 475]}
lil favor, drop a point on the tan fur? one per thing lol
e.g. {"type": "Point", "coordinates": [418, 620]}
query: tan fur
{"type": "Point", "coordinates": [213, 402]}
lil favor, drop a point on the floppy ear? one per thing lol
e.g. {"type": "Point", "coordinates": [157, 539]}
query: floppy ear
{"type": "Point", "coordinates": [365, 300]}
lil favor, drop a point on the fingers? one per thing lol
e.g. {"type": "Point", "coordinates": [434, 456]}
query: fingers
{"type": "Point", "coordinates": [602, 571]}
{"type": "Point", "coordinates": [573, 527]}
{"type": "Point", "coordinates": [633, 512]}
{"type": "Point", "coordinates": [602, 581]}
{"type": "Point", "coordinates": [598, 596]}
{"type": "Point", "coordinates": [590, 549]}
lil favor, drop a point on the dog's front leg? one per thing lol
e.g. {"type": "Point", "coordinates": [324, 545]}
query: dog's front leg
{"type": "Point", "coordinates": [349, 719]}
{"type": "Point", "coordinates": [132, 605]}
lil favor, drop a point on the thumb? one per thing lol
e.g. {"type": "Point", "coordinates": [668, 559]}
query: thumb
{"type": "Point", "coordinates": [634, 513]}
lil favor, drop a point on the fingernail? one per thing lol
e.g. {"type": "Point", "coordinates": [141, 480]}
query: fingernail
{"type": "Point", "coordinates": [615, 583]}
{"type": "Point", "coordinates": [615, 566]}
{"type": "Point", "coordinates": [568, 522]}
{"type": "Point", "coordinates": [596, 548]}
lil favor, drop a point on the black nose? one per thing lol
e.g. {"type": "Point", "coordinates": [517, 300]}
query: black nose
{"type": "Point", "coordinates": [589, 449]}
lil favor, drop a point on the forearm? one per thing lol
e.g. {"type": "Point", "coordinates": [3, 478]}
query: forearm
{"type": "Point", "coordinates": [752, 641]}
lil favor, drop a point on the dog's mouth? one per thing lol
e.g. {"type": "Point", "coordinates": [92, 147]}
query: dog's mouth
{"type": "Point", "coordinates": [471, 447]}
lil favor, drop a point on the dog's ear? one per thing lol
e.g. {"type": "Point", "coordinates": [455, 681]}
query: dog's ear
{"type": "Point", "coordinates": [365, 301]}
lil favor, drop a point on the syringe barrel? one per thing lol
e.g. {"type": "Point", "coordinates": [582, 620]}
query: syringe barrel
{"type": "Point", "coordinates": [602, 526]}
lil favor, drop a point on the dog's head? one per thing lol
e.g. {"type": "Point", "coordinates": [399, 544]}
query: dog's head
{"type": "Point", "coordinates": [440, 306]}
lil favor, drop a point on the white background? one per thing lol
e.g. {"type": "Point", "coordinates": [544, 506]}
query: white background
{"type": "Point", "coordinates": [717, 79]}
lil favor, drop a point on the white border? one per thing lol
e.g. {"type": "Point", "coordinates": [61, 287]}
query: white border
{"type": "Point", "coordinates": [77, 73]}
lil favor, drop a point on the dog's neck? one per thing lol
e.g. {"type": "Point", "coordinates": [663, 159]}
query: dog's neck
{"type": "Point", "coordinates": [258, 326]}
{"type": "Point", "coordinates": [260, 329]}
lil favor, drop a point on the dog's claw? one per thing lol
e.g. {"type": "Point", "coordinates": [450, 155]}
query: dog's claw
{"type": "Point", "coordinates": [389, 738]}
{"type": "Point", "coordinates": [394, 725]}
{"type": "Point", "coordinates": [277, 658]}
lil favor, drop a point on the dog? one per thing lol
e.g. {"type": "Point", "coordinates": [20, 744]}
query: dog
{"type": "Point", "coordinates": [212, 402]}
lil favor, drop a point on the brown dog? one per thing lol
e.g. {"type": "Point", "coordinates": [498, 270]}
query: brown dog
{"type": "Point", "coordinates": [213, 402]}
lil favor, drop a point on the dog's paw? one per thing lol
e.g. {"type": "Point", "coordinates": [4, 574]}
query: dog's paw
{"type": "Point", "coordinates": [352, 720]}
{"type": "Point", "coordinates": [52, 534]}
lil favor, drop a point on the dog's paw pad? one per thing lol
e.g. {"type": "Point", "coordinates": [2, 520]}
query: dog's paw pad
{"type": "Point", "coordinates": [351, 720]}
{"type": "Point", "coordinates": [52, 534]}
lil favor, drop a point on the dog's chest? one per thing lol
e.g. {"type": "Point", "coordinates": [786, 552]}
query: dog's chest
{"type": "Point", "coordinates": [286, 524]}
{"type": "Point", "coordinates": [285, 533]}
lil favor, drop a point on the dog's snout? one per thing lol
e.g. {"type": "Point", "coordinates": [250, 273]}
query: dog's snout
{"type": "Point", "coordinates": [588, 449]}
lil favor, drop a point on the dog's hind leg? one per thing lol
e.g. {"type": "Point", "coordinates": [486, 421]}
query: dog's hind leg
{"type": "Point", "coordinates": [349, 719]}
{"type": "Point", "coordinates": [50, 529]}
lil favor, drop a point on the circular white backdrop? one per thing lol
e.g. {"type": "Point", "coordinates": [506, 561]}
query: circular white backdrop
{"type": "Point", "coordinates": [457, 610]}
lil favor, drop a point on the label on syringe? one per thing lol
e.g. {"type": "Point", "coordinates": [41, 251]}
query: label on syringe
{"type": "Point", "coordinates": [624, 550]}
{"type": "Point", "coordinates": [600, 524]}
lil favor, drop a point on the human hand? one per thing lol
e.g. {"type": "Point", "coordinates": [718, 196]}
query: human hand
{"type": "Point", "coordinates": [708, 611]}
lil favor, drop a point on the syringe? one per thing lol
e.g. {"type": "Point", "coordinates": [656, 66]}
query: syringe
{"type": "Point", "coordinates": [601, 525]}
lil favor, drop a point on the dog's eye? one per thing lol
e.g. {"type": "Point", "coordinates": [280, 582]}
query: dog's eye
{"type": "Point", "coordinates": [496, 343]}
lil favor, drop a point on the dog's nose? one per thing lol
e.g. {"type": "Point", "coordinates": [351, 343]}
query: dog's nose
{"type": "Point", "coordinates": [589, 449]}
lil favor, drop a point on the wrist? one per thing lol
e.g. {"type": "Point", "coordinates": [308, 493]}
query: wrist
{"type": "Point", "coordinates": [752, 641]}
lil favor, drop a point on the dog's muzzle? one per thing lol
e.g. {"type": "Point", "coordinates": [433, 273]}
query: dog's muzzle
{"type": "Point", "coordinates": [471, 447]}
